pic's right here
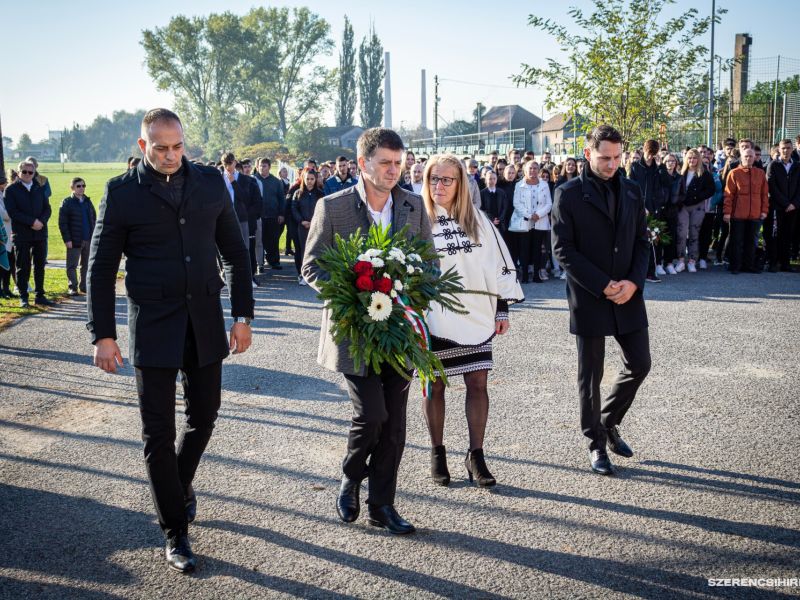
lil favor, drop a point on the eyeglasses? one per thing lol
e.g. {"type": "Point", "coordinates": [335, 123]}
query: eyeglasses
{"type": "Point", "coordinates": [80, 185]}
{"type": "Point", "coordinates": [445, 181]}
{"type": "Point", "coordinates": [26, 172]}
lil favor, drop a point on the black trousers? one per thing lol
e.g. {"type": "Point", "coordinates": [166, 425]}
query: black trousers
{"type": "Point", "coordinates": [706, 231]}
{"type": "Point", "coordinates": [377, 432]}
{"type": "Point", "coordinates": [597, 415]}
{"type": "Point", "coordinates": [720, 231]}
{"type": "Point", "coordinates": [742, 244]}
{"type": "Point", "coordinates": [787, 224]}
{"type": "Point", "coordinates": [270, 238]}
{"type": "Point", "coordinates": [171, 472]}
{"type": "Point", "coordinates": [25, 254]}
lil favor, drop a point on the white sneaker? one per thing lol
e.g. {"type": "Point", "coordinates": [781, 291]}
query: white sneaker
{"type": "Point", "coordinates": [660, 272]}
{"type": "Point", "coordinates": [543, 275]}
{"type": "Point", "coordinates": [255, 285]}
{"type": "Point", "coordinates": [300, 280]}
{"type": "Point", "coordinates": [563, 275]}
{"type": "Point", "coordinates": [701, 264]}
{"type": "Point", "coordinates": [681, 266]}
{"type": "Point", "coordinates": [671, 269]}
{"type": "Point", "coordinates": [691, 268]}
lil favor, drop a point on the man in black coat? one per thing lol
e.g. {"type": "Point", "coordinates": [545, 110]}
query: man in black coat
{"type": "Point", "coordinates": [495, 203]}
{"type": "Point", "coordinates": [76, 219]}
{"type": "Point", "coordinates": [246, 198]}
{"type": "Point", "coordinates": [273, 195]}
{"type": "Point", "coordinates": [29, 209]}
{"type": "Point", "coordinates": [600, 238]}
{"type": "Point", "coordinates": [783, 177]}
{"type": "Point", "coordinates": [170, 217]}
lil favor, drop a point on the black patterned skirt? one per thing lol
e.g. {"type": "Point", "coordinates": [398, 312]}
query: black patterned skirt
{"type": "Point", "coordinates": [458, 359]}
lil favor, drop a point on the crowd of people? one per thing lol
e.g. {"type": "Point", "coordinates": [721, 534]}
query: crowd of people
{"type": "Point", "coordinates": [703, 212]}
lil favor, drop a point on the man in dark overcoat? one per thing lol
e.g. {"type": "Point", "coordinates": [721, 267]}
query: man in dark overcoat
{"type": "Point", "coordinates": [169, 217]}
{"type": "Point", "coordinates": [600, 238]}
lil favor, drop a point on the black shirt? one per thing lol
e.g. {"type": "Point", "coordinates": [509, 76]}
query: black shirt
{"type": "Point", "coordinates": [609, 188]}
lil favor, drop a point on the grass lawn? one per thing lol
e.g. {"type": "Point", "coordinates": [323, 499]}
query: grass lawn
{"type": "Point", "coordinates": [95, 174]}
{"type": "Point", "coordinates": [56, 285]}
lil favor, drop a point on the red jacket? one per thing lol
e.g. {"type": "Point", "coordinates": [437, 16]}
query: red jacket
{"type": "Point", "coordinates": [746, 196]}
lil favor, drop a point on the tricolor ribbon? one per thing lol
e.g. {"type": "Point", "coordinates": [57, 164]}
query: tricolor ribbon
{"type": "Point", "coordinates": [421, 329]}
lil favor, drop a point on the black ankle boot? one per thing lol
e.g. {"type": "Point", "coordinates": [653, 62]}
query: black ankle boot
{"type": "Point", "coordinates": [439, 472]}
{"type": "Point", "coordinates": [477, 469]}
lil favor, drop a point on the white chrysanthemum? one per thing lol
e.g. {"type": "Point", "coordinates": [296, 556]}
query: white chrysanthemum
{"type": "Point", "coordinates": [409, 269]}
{"type": "Point", "coordinates": [376, 262]}
{"type": "Point", "coordinates": [415, 257]}
{"type": "Point", "coordinates": [372, 252]}
{"type": "Point", "coordinates": [380, 306]}
{"type": "Point", "coordinates": [363, 257]}
{"type": "Point", "coordinates": [397, 254]}
{"type": "Point", "coordinates": [393, 294]}
{"type": "Point", "coordinates": [387, 276]}
{"type": "Point", "coordinates": [419, 269]}
{"type": "Point", "coordinates": [398, 285]}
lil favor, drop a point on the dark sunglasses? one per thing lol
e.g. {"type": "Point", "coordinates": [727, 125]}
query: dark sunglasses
{"type": "Point", "coordinates": [80, 185]}
{"type": "Point", "coordinates": [27, 172]}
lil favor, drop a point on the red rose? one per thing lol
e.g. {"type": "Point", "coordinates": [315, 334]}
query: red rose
{"type": "Point", "coordinates": [364, 283]}
{"type": "Point", "coordinates": [364, 267]}
{"type": "Point", "coordinates": [384, 284]}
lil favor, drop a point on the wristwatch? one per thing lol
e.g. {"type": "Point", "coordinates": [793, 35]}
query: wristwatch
{"type": "Point", "coordinates": [245, 320]}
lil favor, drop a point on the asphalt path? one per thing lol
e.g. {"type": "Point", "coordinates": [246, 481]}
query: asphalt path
{"type": "Point", "coordinates": [712, 492]}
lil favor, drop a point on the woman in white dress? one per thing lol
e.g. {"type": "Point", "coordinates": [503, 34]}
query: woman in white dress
{"type": "Point", "coordinates": [466, 240]}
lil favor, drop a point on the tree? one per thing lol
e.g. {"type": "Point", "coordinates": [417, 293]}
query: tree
{"type": "Point", "coordinates": [346, 100]}
{"type": "Point", "coordinates": [24, 143]}
{"type": "Point", "coordinates": [283, 74]}
{"type": "Point", "coordinates": [459, 127]}
{"type": "Point", "coordinates": [764, 91]}
{"type": "Point", "coordinates": [200, 60]}
{"type": "Point", "coordinates": [477, 115]}
{"type": "Point", "coordinates": [625, 67]}
{"type": "Point", "coordinates": [370, 80]}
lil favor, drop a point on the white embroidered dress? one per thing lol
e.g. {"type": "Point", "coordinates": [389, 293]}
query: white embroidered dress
{"type": "Point", "coordinates": [463, 342]}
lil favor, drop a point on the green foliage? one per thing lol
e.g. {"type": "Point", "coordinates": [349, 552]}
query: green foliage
{"type": "Point", "coordinates": [24, 143]}
{"type": "Point", "coordinates": [240, 80]}
{"type": "Point", "coordinates": [627, 66]}
{"type": "Point", "coordinates": [370, 80]}
{"type": "Point", "coordinates": [104, 140]}
{"type": "Point", "coordinates": [393, 341]}
{"type": "Point", "coordinates": [658, 231]}
{"type": "Point", "coordinates": [764, 91]}
{"type": "Point", "coordinates": [346, 97]}
{"type": "Point", "coordinates": [55, 285]}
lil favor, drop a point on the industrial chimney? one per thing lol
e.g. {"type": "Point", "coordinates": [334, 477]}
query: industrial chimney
{"type": "Point", "coordinates": [387, 92]}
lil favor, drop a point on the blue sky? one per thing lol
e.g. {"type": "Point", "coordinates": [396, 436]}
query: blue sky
{"type": "Point", "coordinates": [71, 61]}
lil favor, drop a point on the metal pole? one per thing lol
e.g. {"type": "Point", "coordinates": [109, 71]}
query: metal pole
{"type": "Point", "coordinates": [436, 113]}
{"type": "Point", "coordinates": [775, 101]}
{"type": "Point", "coordinates": [783, 117]}
{"type": "Point", "coordinates": [710, 139]}
{"type": "Point", "coordinates": [479, 117]}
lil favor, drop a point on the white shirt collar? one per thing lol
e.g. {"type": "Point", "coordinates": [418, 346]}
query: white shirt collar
{"type": "Point", "coordinates": [384, 217]}
{"type": "Point", "coordinates": [28, 186]}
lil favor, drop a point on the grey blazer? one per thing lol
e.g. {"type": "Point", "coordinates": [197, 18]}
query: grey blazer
{"type": "Point", "coordinates": [343, 213]}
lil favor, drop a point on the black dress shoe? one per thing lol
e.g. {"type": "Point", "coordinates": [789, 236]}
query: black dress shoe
{"type": "Point", "coordinates": [42, 301]}
{"type": "Point", "coordinates": [190, 502]}
{"type": "Point", "coordinates": [616, 444]}
{"type": "Point", "coordinates": [601, 463]}
{"type": "Point", "coordinates": [179, 554]}
{"type": "Point", "coordinates": [347, 503]}
{"type": "Point", "coordinates": [477, 469]}
{"type": "Point", "coordinates": [439, 471]}
{"type": "Point", "coordinates": [386, 516]}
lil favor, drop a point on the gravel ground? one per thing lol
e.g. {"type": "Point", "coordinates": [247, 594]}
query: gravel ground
{"type": "Point", "coordinates": [712, 492]}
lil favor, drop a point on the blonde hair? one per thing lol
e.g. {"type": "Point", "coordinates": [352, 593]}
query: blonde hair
{"type": "Point", "coordinates": [462, 209]}
{"type": "Point", "coordinates": [699, 170]}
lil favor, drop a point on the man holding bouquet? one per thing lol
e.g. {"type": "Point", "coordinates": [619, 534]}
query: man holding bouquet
{"type": "Point", "coordinates": [378, 429]}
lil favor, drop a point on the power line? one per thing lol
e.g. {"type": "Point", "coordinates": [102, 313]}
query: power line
{"type": "Point", "coordinates": [492, 85]}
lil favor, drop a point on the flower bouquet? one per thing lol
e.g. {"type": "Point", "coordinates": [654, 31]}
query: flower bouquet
{"type": "Point", "coordinates": [380, 285]}
{"type": "Point", "coordinates": [657, 231]}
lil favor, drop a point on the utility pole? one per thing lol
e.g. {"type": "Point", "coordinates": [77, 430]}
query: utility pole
{"type": "Point", "coordinates": [436, 113]}
{"type": "Point", "coordinates": [710, 138]}
{"type": "Point", "coordinates": [479, 117]}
